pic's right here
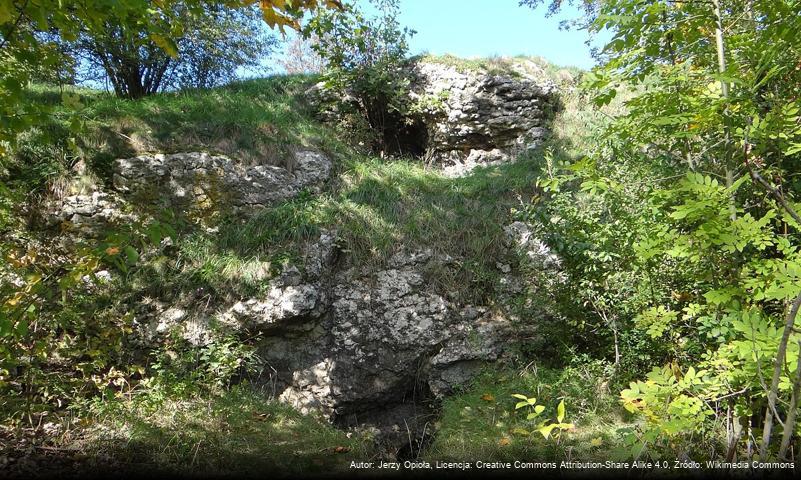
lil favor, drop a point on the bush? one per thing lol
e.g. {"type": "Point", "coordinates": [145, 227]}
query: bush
{"type": "Point", "coordinates": [366, 62]}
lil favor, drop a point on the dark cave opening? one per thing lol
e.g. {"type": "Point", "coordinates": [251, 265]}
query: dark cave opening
{"type": "Point", "coordinates": [406, 137]}
{"type": "Point", "coordinates": [404, 418]}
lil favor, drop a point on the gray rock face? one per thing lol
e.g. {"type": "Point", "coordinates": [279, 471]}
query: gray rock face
{"type": "Point", "coordinates": [478, 118]}
{"type": "Point", "coordinates": [375, 341]}
{"type": "Point", "coordinates": [287, 299]}
{"type": "Point", "coordinates": [200, 180]}
{"type": "Point", "coordinates": [358, 344]}
{"type": "Point", "coordinates": [86, 214]}
{"type": "Point", "coordinates": [364, 346]}
{"type": "Point", "coordinates": [520, 236]}
{"type": "Point", "coordinates": [195, 183]}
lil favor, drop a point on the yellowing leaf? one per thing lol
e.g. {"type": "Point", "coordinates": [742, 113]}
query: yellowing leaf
{"type": "Point", "coordinates": [504, 441]}
{"type": "Point", "coordinates": [165, 44]}
{"type": "Point", "coordinates": [545, 430]}
{"type": "Point", "coordinates": [488, 397]}
{"type": "Point", "coordinates": [596, 442]}
{"type": "Point", "coordinates": [14, 301]}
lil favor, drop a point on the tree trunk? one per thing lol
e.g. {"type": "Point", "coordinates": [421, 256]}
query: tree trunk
{"type": "Point", "coordinates": [789, 422]}
{"type": "Point", "coordinates": [773, 391]}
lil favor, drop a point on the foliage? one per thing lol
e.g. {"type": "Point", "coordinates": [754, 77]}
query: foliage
{"type": "Point", "coordinates": [26, 53]}
{"type": "Point", "coordinates": [55, 344]}
{"type": "Point", "coordinates": [546, 427]}
{"type": "Point", "coordinates": [481, 421]}
{"type": "Point", "coordinates": [591, 216]}
{"type": "Point", "coordinates": [176, 428]}
{"type": "Point", "coordinates": [589, 9]}
{"type": "Point", "coordinates": [702, 211]}
{"type": "Point", "coordinates": [365, 62]}
{"type": "Point", "coordinates": [214, 42]}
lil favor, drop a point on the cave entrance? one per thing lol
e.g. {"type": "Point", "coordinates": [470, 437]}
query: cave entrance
{"type": "Point", "coordinates": [404, 419]}
{"type": "Point", "coordinates": [406, 137]}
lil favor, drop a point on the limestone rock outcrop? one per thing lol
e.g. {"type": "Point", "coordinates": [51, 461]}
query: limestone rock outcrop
{"type": "Point", "coordinates": [360, 344]}
{"type": "Point", "coordinates": [358, 341]}
{"type": "Point", "coordinates": [478, 118]}
{"type": "Point", "coordinates": [198, 179]}
{"type": "Point", "coordinates": [466, 117]}
{"type": "Point", "coordinates": [85, 214]}
{"type": "Point", "coordinates": [191, 183]}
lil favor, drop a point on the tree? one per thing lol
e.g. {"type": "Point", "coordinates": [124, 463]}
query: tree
{"type": "Point", "coordinates": [300, 56]}
{"type": "Point", "coordinates": [25, 53]}
{"type": "Point", "coordinates": [589, 7]}
{"type": "Point", "coordinates": [215, 41]}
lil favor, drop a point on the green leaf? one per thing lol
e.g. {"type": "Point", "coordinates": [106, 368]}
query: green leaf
{"type": "Point", "coordinates": [22, 327]}
{"type": "Point", "coordinates": [132, 256]}
{"type": "Point", "coordinates": [793, 149]}
{"type": "Point", "coordinates": [5, 325]}
{"type": "Point", "coordinates": [6, 9]}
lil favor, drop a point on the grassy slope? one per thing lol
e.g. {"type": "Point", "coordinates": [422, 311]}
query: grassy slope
{"type": "Point", "coordinates": [237, 432]}
{"type": "Point", "coordinates": [378, 206]}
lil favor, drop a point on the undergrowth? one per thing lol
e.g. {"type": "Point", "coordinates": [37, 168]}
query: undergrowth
{"type": "Point", "coordinates": [482, 423]}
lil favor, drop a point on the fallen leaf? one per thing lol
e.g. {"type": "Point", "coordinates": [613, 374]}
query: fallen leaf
{"type": "Point", "coordinates": [488, 397]}
{"type": "Point", "coordinates": [341, 449]}
{"type": "Point", "coordinates": [504, 441]}
{"type": "Point", "coordinates": [111, 251]}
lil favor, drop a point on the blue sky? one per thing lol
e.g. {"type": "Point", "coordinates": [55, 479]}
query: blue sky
{"type": "Point", "coordinates": [481, 28]}
{"type": "Point", "coordinates": [484, 28]}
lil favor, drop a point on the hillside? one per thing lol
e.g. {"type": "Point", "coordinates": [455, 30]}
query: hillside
{"type": "Point", "coordinates": [376, 209]}
{"type": "Point", "coordinates": [390, 261]}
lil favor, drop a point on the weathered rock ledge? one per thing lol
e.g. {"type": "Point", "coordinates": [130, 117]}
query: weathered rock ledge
{"type": "Point", "coordinates": [201, 179]}
{"type": "Point", "coordinates": [192, 183]}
